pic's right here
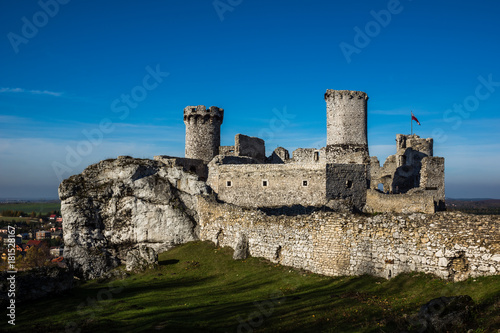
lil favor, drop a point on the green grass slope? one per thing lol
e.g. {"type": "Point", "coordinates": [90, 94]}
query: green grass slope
{"type": "Point", "coordinates": [199, 288]}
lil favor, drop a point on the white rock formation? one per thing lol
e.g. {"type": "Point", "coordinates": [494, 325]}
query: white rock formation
{"type": "Point", "coordinates": [119, 204]}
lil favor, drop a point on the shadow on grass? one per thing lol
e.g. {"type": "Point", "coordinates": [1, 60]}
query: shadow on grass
{"type": "Point", "coordinates": [168, 262]}
{"type": "Point", "coordinates": [199, 288]}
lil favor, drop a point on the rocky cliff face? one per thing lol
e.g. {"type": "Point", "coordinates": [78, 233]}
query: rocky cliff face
{"type": "Point", "coordinates": [118, 205]}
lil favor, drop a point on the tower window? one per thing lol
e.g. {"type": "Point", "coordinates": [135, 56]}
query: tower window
{"type": "Point", "coordinates": [348, 184]}
{"type": "Point", "coordinates": [228, 183]}
{"type": "Point", "coordinates": [265, 183]}
{"type": "Point", "coordinates": [316, 155]}
{"type": "Point", "coordinates": [305, 183]}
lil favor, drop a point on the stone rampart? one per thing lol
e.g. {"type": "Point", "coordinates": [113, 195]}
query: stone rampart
{"type": "Point", "coordinates": [399, 203]}
{"type": "Point", "coordinates": [450, 245]}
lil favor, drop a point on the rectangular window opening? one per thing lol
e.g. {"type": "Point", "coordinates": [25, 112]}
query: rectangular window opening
{"type": "Point", "coordinates": [316, 155]}
{"type": "Point", "coordinates": [305, 183]}
{"type": "Point", "coordinates": [229, 183]}
{"type": "Point", "coordinates": [264, 183]}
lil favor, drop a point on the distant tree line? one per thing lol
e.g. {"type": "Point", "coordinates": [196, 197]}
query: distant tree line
{"type": "Point", "coordinates": [477, 211]}
{"type": "Point", "coordinates": [13, 213]}
{"type": "Point", "coordinates": [17, 213]}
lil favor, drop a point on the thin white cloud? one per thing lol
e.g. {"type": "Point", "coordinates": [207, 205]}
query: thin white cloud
{"type": "Point", "coordinates": [33, 92]}
{"type": "Point", "coordinates": [11, 90]}
{"type": "Point", "coordinates": [45, 92]}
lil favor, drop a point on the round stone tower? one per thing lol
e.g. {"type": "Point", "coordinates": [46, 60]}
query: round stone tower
{"type": "Point", "coordinates": [346, 113]}
{"type": "Point", "coordinates": [202, 131]}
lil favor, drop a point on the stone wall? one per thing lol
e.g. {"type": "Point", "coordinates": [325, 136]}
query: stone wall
{"type": "Point", "coordinates": [432, 178]}
{"type": "Point", "coordinates": [382, 174]}
{"type": "Point", "coordinates": [188, 164]}
{"type": "Point", "coordinates": [450, 245]}
{"type": "Point", "coordinates": [347, 182]}
{"type": "Point", "coordinates": [227, 151]}
{"type": "Point", "coordinates": [308, 155]}
{"type": "Point", "coordinates": [269, 185]}
{"type": "Point", "coordinates": [250, 146]}
{"type": "Point", "coordinates": [279, 156]}
{"type": "Point", "coordinates": [399, 203]}
{"type": "Point", "coordinates": [423, 145]}
{"type": "Point", "coordinates": [294, 183]}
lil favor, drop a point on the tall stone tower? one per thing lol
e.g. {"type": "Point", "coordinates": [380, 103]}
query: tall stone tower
{"type": "Point", "coordinates": [202, 131]}
{"type": "Point", "coordinates": [346, 113]}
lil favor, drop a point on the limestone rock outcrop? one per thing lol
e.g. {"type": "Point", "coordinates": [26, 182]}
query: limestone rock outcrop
{"type": "Point", "coordinates": [120, 204]}
{"type": "Point", "coordinates": [141, 258]}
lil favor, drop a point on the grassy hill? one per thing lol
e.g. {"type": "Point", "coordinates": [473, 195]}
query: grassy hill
{"type": "Point", "coordinates": [199, 288]}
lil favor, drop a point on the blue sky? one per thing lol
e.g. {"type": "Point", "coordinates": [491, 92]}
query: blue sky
{"type": "Point", "coordinates": [82, 81]}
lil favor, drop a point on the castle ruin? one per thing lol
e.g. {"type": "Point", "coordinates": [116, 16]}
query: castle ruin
{"type": "Point", "coordinates": [341, 175]}
{"type": "Point", "coordinates": [294, 209]}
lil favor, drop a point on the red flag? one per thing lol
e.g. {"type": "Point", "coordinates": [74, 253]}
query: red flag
{"type": "Point", "coordinates": [414, 118]}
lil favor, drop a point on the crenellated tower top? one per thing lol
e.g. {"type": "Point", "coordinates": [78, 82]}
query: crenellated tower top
{"type": "Point", "coordinates": [349, 94]}
{"type": "Point", "coordinates": [201, 112]}
{"type": "Point", "coordinates": [202, 131]}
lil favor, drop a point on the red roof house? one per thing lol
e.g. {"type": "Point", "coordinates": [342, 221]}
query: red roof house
{"type": "Point", "coordinates": [33, 243]}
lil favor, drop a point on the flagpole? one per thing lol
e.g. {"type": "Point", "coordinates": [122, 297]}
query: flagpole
{"type": "Point", "coordinates": [411, 124]}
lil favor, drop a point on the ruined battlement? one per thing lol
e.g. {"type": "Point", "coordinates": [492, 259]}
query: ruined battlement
{"type": "Point", "coordinates": [200, 112]}
{"type": "Point", "coordinates": [349, 94]}
{"type": "Point", "coordinates": [423, 145]}
{"type": "Point", "coordinates": [412, 171]}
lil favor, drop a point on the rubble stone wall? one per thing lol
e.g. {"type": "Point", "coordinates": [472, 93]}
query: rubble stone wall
{"type": "Point", "coordinates": [450, 245]}
{"type": "Point", "coordinates": [399, 203]}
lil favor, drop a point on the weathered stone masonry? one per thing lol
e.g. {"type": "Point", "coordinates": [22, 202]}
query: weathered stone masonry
{"type": "Point", "coordinates": [450, 245]}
